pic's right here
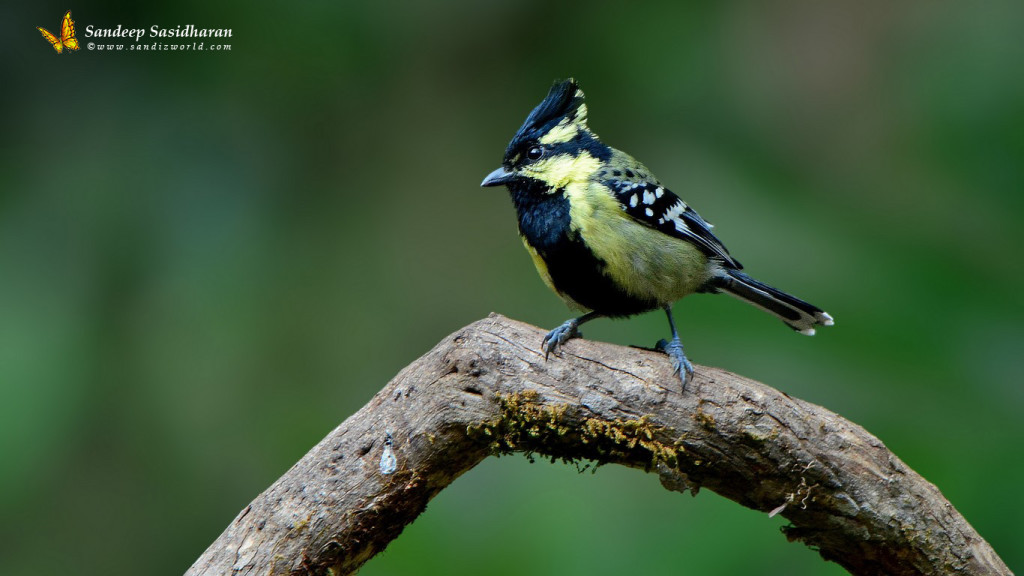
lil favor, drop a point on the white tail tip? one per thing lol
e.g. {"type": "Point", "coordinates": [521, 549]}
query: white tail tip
{"type": "Point", "coordinates": [807, 331]}
{"type": "Point", "coordinates": [825, 319]}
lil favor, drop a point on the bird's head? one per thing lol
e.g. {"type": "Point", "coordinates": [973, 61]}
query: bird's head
{"type": "Point", "coordinates": [554, 147]}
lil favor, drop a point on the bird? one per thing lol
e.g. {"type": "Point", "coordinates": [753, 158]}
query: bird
{"type": "Point", "coordinates": [610, 239]}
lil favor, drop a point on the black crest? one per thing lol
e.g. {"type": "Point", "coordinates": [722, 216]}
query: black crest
{"type": "Point", "coordinates": [565, 99]}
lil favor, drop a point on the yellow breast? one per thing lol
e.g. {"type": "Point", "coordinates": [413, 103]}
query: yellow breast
{"type": "Point", "coordinates": [645, 262]}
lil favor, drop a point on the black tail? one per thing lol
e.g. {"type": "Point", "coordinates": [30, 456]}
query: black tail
{"type": "Point", "coordinates": [796, 313]}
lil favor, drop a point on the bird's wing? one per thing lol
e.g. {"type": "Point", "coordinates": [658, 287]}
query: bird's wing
{"type": "Point", "coordinates": [657, 207]}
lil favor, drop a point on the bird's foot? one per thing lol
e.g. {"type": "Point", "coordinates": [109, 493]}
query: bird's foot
{"type": "Point", "coordinates": [681, 366]}
{"type": "Point", "coordinates": [567, 331]}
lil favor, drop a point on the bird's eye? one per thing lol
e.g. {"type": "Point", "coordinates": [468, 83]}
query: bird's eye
{"type": "Point", "coordinates": [535, 153]}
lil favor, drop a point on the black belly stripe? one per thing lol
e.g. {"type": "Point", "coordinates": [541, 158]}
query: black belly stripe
{"type": "Point", "coordinates": [577, 273]}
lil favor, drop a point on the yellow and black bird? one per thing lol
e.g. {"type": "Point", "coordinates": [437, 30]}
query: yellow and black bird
{"type": "Point", "coordinates": [609, 238]}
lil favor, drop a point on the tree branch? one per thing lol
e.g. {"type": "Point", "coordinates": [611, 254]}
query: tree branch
{"type": "Point", "coordinates": [487, 389]}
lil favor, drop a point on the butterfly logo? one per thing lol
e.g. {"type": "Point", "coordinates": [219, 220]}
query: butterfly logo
{"type": "Point", "coordinates": [67, 35]}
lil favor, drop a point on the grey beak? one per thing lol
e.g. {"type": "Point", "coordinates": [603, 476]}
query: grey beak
{"type": "Point", "coordinates": [498, 177]}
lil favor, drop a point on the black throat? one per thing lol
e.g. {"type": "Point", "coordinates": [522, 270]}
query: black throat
{"type": "Point", "coordinates": [543, 215]}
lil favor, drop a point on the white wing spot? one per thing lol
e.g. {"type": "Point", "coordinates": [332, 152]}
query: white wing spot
{"type": "Point", "coordinates": [648, 197]}
{"type": "Point", "coordinates": [659, 192]}
{"type": "Point", "coordinates": [674, 212]}
{"type": "Point", "coordinates": [649, 212]}
{"type": "Point", "coordinates": [632, 201]}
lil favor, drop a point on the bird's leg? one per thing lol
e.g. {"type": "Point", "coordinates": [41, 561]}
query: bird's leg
{"type": "Point", "coordinates": [567, 331]}
{"type": "Point", "coordinates": [674, 349]}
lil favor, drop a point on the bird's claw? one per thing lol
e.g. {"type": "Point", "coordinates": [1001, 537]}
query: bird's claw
{"type": "Point", "coordinates": [681, 366]}
{"type": "Point", "coordinates": [559, 336]}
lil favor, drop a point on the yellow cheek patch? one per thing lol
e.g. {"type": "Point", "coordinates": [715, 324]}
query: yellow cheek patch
{"type": "Point", "coordinates": [562, 170]}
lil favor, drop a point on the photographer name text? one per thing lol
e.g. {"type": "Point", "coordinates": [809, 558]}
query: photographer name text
{"type": "Point", "coordinates": [136, 34]}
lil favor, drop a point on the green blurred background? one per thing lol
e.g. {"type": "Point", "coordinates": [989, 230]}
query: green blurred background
{"type": "Point", "coordinates": [210, 259]}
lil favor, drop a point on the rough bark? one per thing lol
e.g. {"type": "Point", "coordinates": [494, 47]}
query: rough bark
{"type": "Point", "coordinates": [487, 389]}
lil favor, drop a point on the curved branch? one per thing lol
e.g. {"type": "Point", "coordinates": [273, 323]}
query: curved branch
{"type": "Point", "coordinates": [487, 389]}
